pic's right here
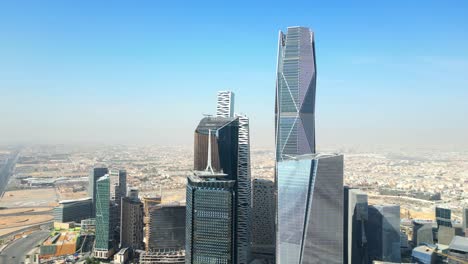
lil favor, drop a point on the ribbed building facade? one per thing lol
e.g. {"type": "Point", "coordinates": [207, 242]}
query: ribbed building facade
{"type": "Point", "coordinates": [73, 210]}
{"type": "Point", "coordinates": [263, 217]}
{"type": "Point", "coordinates": [166, 223]}
{"type": "Point", "coordinates": [131, 226]}
{"type": "Point", "coordinates": [225, 105]}
{"type": "Point", "coordinates": [149, 204]}
{"type": "Point", "coordinates": [295, 93]}
{"type": "Point", "coordinates": [104, 244]}
{"type": "Point", "coordinates": [310, 210]}
{"type": "Point", "coordinates": [244, 193]}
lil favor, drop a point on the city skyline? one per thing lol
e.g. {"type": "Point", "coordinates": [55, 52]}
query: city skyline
{"type": "Point", "coordinates": [62, 81]}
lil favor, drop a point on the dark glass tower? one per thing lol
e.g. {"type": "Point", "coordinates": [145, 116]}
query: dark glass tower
{"type": "Point", "coordinates": [95, 174]}
{"type": "Point", "coordinates": [384, 233]}
{"type": "Point", "coordinates": [211, 213]}
{"type": "Point", "coordinates": [224, 145]}
{"type": "Point", "coordinates": [295, 93]}
{"type": "Point", "coordinates": [355, 226]}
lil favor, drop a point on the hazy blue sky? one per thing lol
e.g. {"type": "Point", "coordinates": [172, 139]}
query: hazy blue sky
{"type": "Point", "coordinates": [145, 71]}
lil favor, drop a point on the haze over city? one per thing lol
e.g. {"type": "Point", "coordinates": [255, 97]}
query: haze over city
{"type": "Point", "coordinates": [390, 73]}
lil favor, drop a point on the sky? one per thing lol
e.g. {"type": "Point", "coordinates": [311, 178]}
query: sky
{"type": "Point", "coordinates": [145, 72]}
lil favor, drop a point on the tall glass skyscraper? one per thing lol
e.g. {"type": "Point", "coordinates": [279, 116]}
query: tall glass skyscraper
{"type": "Point", "coordinates": [309, 186]}
{"type": "Point", "coordinates": [104, 244]}
{"type": "Point", "coordinates": [310, 209]}
{"type": "Point", "coordinates": [295, 93]}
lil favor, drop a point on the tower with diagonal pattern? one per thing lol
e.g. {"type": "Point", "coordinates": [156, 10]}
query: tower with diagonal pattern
{"type": "Point", "coordinates": [295, 93]}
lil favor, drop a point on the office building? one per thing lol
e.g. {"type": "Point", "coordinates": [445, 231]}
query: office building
{"type": "Point", "coordinates": [465, 221]}
{"type": "Point", "coordinates": [355, 226]}
{"type": "Point", "coordinates": [95, 174]}
{"type": "Point", "coordinates": [443, 216]}
{"type": "Point", "coordinates": [263, 218]}
{"type": "Point", "coordinates": [384, 233]}
{"type": "Point", "coordinates": [310, 209]}
{"type": "Point", "coordinates": [73, 210]}
{"type": "Point", "coordinates": [131, 227]}
{"type": "Point", "coordinates": [166, 226]}
{"type": "Point", "coordinates": [210, 220]}
{"type": "Point", "coordinates": [295, 93]}
{"type": "Point", "coordinates": [225, 108]}
{"type": "Point", "coordinates": [422, 233]}
{"type": "Point", "coordinates": [424, 255]}
{"type": "Point", "coordinates": [225, 105]}
{"type": "Point", "coordinates": [104, 244]}
{"type": "Point", "coordinates": [458, 250]}
{"type": "Point", "coordinates": [244, 193]}
{"type": "Point", "coordinates": [148, 204]}
{"type": "Point", "coordinates": [222, 135]}
{"type": "Point", "coordinates": [118, 184]}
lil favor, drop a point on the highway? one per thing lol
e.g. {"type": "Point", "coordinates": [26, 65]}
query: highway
{"type": "Point", "coordinates": [7, 170]}
{"type": "Point", "coordinates": [16, 251]}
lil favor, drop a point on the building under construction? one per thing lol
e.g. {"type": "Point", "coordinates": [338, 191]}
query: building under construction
{"type": "Point", "coordinates": [165, 227]}
{"type": "Point", "coordinates": [163, 257]}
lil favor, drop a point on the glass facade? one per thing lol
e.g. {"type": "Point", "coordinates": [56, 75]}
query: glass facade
{"type": "Point", "coordinates": [384, 233]}
{"type": "Point", "coordinates": [73, 210]}
{"type": "Point", "coordinates": [443, 216]}
{"type": "Point", "coordinates": [210, 220]}
{"type": "Point", "coordinates": [95, 174]}
{"type": "Point", "coordinates": [103, 232]}
{"type": "Point", "coordinates": [295, 93]}
{"type": "Point", "coordinates": [310, 210]}
{"type": "Point", "coordinates": [355, 226]}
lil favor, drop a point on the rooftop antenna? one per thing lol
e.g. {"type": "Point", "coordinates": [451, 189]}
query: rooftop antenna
{"type": "Point", "coordinates": [208, 163]}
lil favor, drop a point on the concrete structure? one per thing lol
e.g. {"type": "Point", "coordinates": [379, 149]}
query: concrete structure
{"type": "Point", "coordinates": [422, 233]}
{"type": "Point", "coordinates": [163, 257]}
{"type": "Point", "coordinates": [445, 234]}
{"type": "Point", "coordinates": [384, 233]}
{"type": "Point", "coordinates": [105, 245]}
{"type": "Point", "coordinates": [73, 210]}
{"type": "Point", "coordinates": [458, 250]}
{"type": "Point", "coordinates": [424, 255]}
{"type": "Point", "coordinates": [263, 218]}
{"type": "Point", "coordinates": [295, 93]}
{"type": "Point", "coordinates": [131, 227]}
{"type": "Point", "coordinates": [95, 174]}
{"type": "Point", "coordinates": [310, 209]}
{"type": "Point", "coordinates": [122, 256]}
{"type": "Point", "coordinates": [355, 226]}
{"type": "Point", "coordinates": [149, 204]}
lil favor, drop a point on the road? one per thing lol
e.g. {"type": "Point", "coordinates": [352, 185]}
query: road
{"type": "Point", "coordinates": [15, 252]}
{"type": "Point", "coordinates": [7, 170]}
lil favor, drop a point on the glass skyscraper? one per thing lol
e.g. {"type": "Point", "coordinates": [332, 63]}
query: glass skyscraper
{"type": "Point", "coordinates": [104, 244]}
{"type": "Point", "coordinates": [94, 175]}
{"type": "Point", "coordinates": [295, 93]}
{"type": "Point", "coordinates": [384, 233]}
{"type": "Point", "coordinates": [310, 209]}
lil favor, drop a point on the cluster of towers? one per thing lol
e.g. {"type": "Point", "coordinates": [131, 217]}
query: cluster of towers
{"type": "Point", "coordinates": [304, 216]}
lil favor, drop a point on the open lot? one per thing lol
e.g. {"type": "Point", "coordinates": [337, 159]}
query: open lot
{"type": "Point", "coordinates": [29, 198]}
